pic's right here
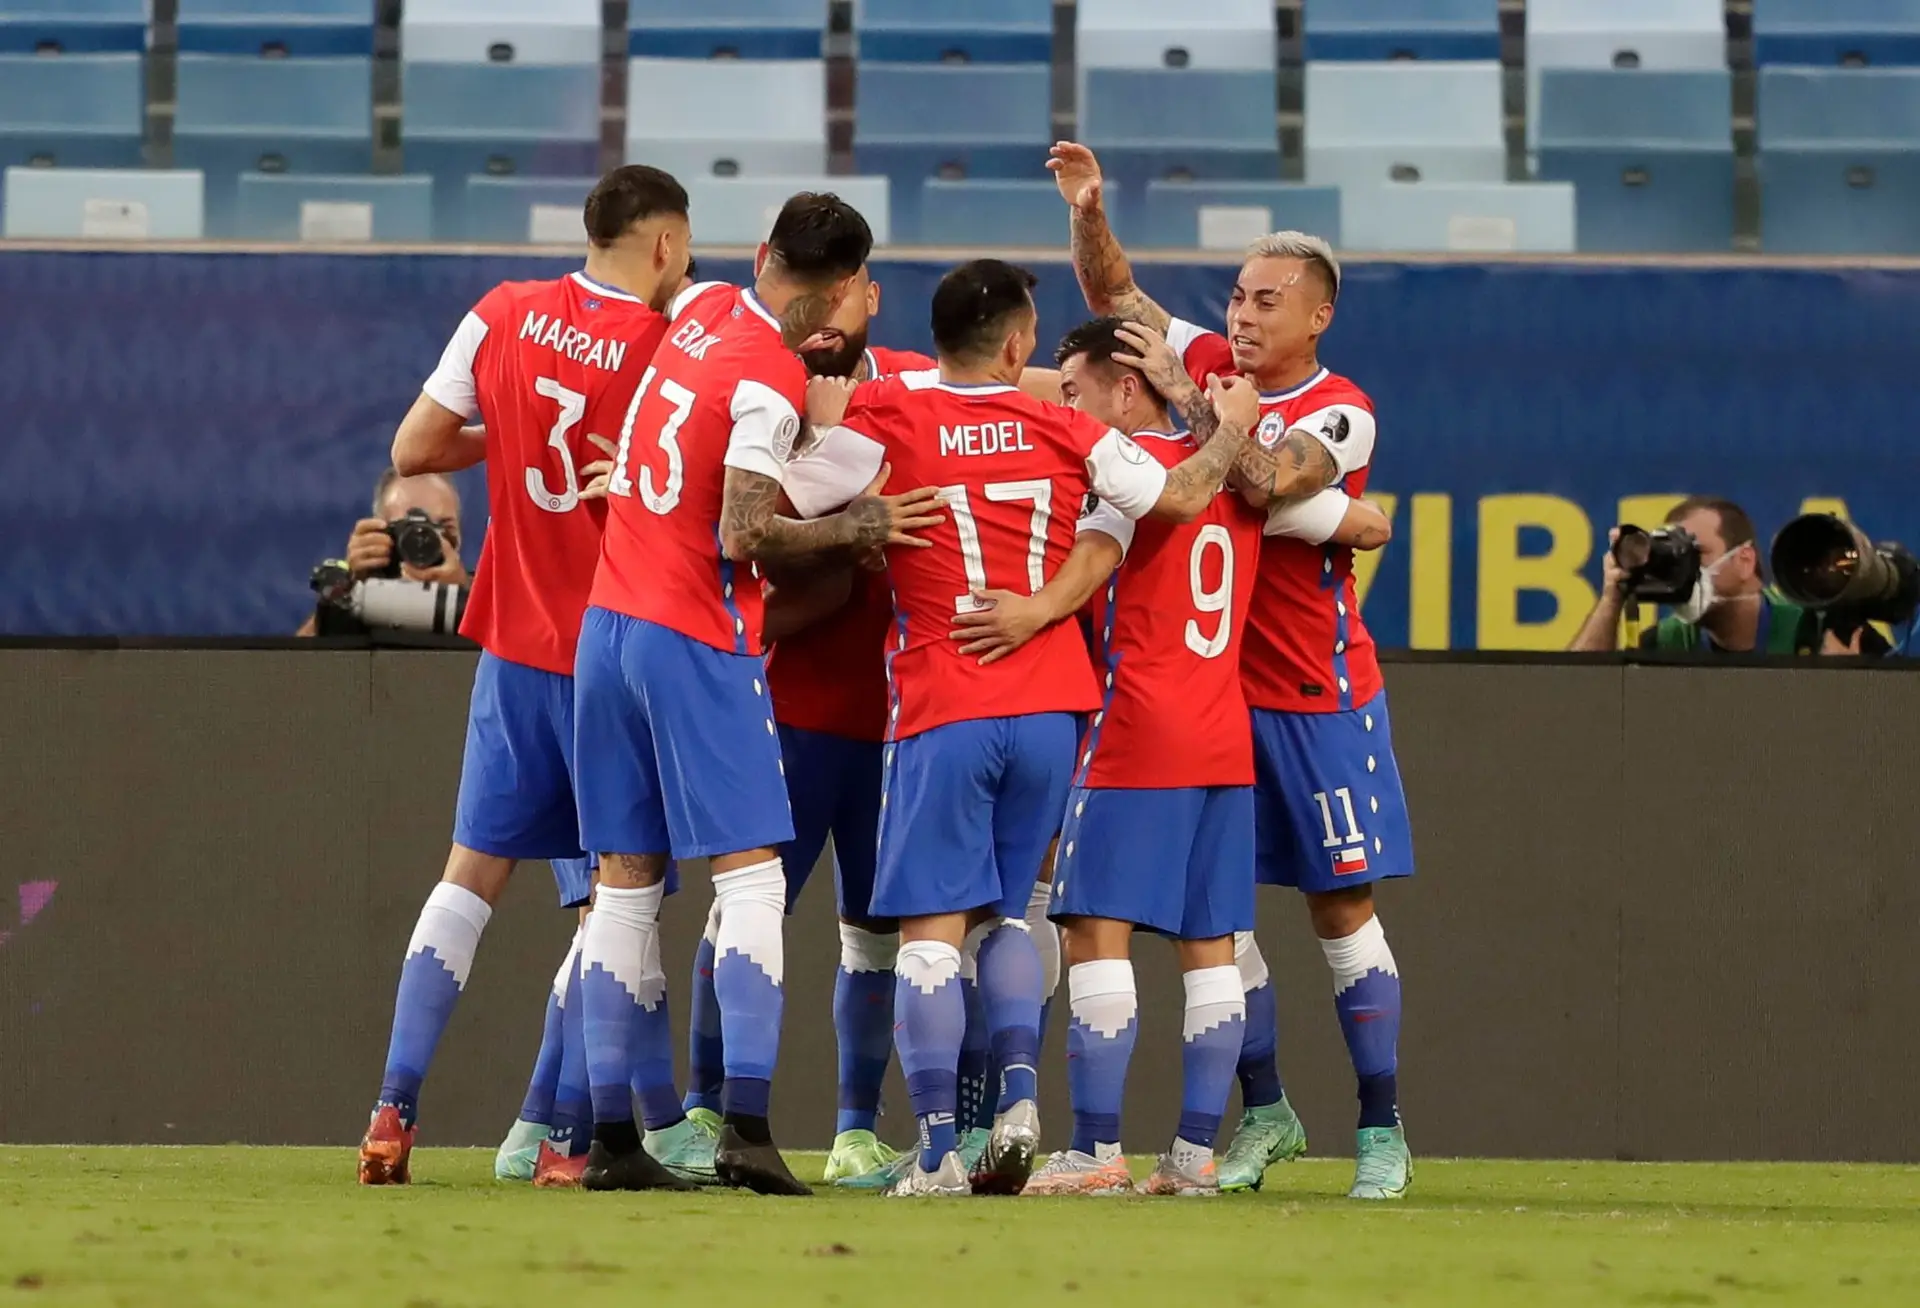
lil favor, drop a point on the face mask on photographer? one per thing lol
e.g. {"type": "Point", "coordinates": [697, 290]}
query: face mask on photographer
{"type": "Point", "coordinates": [1704, 596]}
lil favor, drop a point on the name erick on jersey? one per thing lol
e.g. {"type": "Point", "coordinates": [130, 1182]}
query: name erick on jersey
{"type": "Point", "coordinates": [1167, 644]}
{"type": "Point", "coordinates": [542, 364]}
{"type": "Point", "coordinates": [723, 392]}
{"type": "Point", "coordinates": [831, 677]}
{"type": "Point", "coordinates": [1014, 472]}
{"type": "Point", "coordinates": [1307, 650]}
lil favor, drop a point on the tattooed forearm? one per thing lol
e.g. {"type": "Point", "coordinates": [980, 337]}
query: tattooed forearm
{"type": "Point", "coordinates": [1371, 537]}
{"type": "Point", "coordinates": [1106, 278]}
{"type": "Point", "coordinates": [1191, 485]}
{"type": "Point", "coordinates": [752, 530]}
{"type": "Point", "coordinates": [1197, 409]}
{"type": "Point", "coordinates": [1299, 467]}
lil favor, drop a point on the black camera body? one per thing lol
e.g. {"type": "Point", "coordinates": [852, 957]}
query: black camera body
{"type": "Point", "coordinates": [416, 540]}
{"type": "Point", "coordinates": [1662, 566]}
{"type": "Point", "coordinates": [1827, 564]}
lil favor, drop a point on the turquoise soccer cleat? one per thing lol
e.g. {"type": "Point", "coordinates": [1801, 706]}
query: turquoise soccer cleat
{"type": "Point", "coordinates": [1269, 1134]}
{"type": "Point", "coordinates": [519, 1152]}
{"type": "Point", "coordinates": [1382, 1164]}
{"type": "Point", "coordinates": [685, 1149]}
{"type": "Point", "coordinates": [883, 1179]}
{"type": "Point", "coordinates": [856, 1153]}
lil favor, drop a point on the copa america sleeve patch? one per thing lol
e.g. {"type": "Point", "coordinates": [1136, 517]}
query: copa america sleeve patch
{"type": "Point", "coordinates": [784, 437]}
{"type": "Point", "coordinates": [1336, 427]}
{"type": "Point", "coordinates": [1272, 427]}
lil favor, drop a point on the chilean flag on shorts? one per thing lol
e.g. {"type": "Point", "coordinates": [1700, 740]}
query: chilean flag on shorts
{"type": "Point", "coordinates": [1350, 860]}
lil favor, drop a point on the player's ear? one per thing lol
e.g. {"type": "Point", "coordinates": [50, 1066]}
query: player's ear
{"type": "Point", "coordinates": [1322, 319]}
{"type": "Point", "coordinates": [760, 259]}
{"type": "Point", "coordinates": [873, 297]}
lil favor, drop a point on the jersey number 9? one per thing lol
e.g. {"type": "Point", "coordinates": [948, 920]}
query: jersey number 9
{"type": "Point", "coordinates": [1215, 600]}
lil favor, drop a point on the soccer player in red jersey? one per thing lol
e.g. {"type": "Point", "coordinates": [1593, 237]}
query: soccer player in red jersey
{"type": "Point", "coordinates": [678, 750]}
{"type": "Point", "coordinates": [1331, 816]}
{"type": "Point", "coordinates": [979, 758]}
{"type": "Point", "coordinates": [544, 365]}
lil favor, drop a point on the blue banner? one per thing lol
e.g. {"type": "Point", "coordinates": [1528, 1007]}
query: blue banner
{"type": "Point", "coordinates": [183, 435]}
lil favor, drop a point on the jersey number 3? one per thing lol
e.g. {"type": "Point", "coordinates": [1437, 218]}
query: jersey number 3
{"type": "Point", "coordinates": [660, 499]}
{"type": "Point", "coordinates": [573, 407]}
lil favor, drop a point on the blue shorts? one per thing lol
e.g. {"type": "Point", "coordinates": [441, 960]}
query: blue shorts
{"type": "Point", "coordinates": [833, 784]}
{"type": "Point", "coordinates": [1329, 812]}
{"type": "Point", "coordinates": [1179, 862]}
{"type": "Point", "coordinates": [516, 779]}
{"type": "Point", "coordinates": [573, 878]}
{"type": "Point", "coordinates": [676, 745]}
{"type": "Point", "coordinates": [967, 812]}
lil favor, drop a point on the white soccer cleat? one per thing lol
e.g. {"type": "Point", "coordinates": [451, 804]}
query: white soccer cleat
{"type": "Point", "coordinates": [1011, 1149]}
{"type": "Point", "coordinates": [1072, 1172]}
{"type": "Point", "coordinates": [947, 1181]}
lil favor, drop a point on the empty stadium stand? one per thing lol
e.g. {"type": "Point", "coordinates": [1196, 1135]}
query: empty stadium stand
{"type": "Point", "coordinates": [1403, 29]}
{"type": "Point", "coordinates": [72, 26]}
{"type": "Point", "coordinates": [1840, 160]}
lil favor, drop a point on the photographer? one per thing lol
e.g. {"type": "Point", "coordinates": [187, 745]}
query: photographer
{"type": "Point", "coordinates": [413, 536]}
{"type": "Point", "coordinates": [1729, 609]}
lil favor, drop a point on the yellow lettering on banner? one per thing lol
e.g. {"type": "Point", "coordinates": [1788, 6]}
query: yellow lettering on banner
{"type": "Point", "coordinates": [1430, 573]}
{"type": "Point", "coordinates": [1366, 563]}
{"type": "Point", "coordinates": [1647, 512]}
{"type": "Point", "coordinates": [1504, 572]}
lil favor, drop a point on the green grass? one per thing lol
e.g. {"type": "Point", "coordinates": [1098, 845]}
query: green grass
{"type": "Point", "coordinates": [288, 1226]}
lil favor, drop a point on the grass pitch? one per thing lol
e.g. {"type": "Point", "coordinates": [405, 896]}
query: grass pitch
{"type": "Point", "coordinates": [288, 1226]}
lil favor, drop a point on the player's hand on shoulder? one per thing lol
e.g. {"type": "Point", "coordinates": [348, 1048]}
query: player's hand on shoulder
{"type": "Point", "coordinates": [598, 473]}
{"type": "Point", "coordinates": [891, 519]}
{"type": "Point", "coordinates": [1155, 358]}
{"type": "Point", "coordinates": [1077, 173]}
{"type": "Point", "coordinates": [369, 547]}
{"type": "Point", "coordinates": [827, 400]}
{"type": "Point", "coordinates": [1000, 623]}
{"type": "Point", "coordinates": [1235, 400]}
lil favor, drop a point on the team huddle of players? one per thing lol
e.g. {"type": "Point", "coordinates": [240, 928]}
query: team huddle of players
{"type": "Point", "coordinates": [748, 583]}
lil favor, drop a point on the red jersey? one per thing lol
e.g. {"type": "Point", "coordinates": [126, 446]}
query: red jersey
{"type": "Point", "coordinates": [1307, 649]}
{"type": "Point", "coordinates": [1014, 472]}
{"type": "Point", "coordinates": [1167, 637]}
{"type": "Point", "coordinates": [723, 392]}
{"type": "Point", "coordinates": [543, 364]}
{"type": "Point", "coordinates": [832, 676]}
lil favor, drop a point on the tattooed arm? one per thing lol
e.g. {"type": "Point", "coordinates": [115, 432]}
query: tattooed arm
{"type": "Point", "coordinates": [1192, 485]}
{"type": "Point", "coordinates": [1298, 467]}
{"type": "Point", "coordinates": [1106, 278]}
{"type": "Point", "coordinates": [752, 530]}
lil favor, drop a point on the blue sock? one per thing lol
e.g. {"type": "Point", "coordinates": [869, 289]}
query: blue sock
{"type": "Point", "coordinates": [931, 1019]}
{"type": "Point", "coordinates": [439, 956]}
{"type": "Point", "coordinates": [1259, 1066]}
{"type": "Point", "coordinates": [863, 1023]}
{"type": "Point", "coordinates": [652, 1070]}
{"type": "Point", "coordinates": [1366, 994]}
{"type": "Point", "coordinates": [1010, 989]}
{"type": "Point", "coordinates": [706, 1051]}
{"type": "Point", "coordinates": [538, 1105]}
{"type": "Point", "coordinates": [622, 932]}
{"type": "Point", "coordinates": [749, 963]}
{"type": "Point", "coordinates": [1211, 1039]}
{"type": "Point", "coordinates": [572, 1097]}
{"type": "Point", "coordinates": [976, 1064]}
{"type": "Point", "coordinates": [1100, 1035]}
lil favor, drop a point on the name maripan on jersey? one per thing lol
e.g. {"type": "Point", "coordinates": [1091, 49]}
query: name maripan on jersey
{"type": "Point", "coordinates": [984, 438]}
{"type": "Point", "coordinates": [572, 343]}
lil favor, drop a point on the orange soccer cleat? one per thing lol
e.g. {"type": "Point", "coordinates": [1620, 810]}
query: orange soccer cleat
{"type": "Point", "coordinates": [557, 1171]}
{"type": "Point", "coordinates": [386, 1149]}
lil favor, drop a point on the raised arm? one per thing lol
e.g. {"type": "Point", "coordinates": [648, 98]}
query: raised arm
{"type": "Point", "coordinates": [1106, 278]}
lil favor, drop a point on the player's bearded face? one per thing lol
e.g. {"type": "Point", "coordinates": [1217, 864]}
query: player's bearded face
{"type": "Point", "coordinates": [835, 350]}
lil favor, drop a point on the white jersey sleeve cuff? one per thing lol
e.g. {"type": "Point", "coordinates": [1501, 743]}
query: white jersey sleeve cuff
{"type": "Point", "coordinates": [836, 467]}
{"type": "Point", "coordinates": [1181, 335]}
{"type": "Point", "coordinates": [1124, 475]}
{"type": "Point", "coordinates": [1108, 521]}
{"type": "Point", "coordinates": [1345, 429]}
{"type": "Point", "coordinates": [1313, 520]}
{"type": "Point", "coordinates": [765, 427]}
{"type": "Point", "coordinates": [451, 384]}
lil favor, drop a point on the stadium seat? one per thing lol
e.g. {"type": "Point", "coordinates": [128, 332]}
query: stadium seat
{"type": "Point", "coordinates": [501, 32]}
{"type": "Point", "coordinates": [1460, 217]}
{"type": "Point", "coordinates": [1830, 32]}
{"type": "Point", "coordinates": [276, 27]}
{"type": "Point", "coordinates": [240, 114]}
{"type": "Point", "coordinates": [519, 211]}
{"type": "Point", "coordinates": [741, 210]}
{"type": "Point", "coordinates": [1152, 34]}
{"type": "Point", "coordinates": [281, 208]}
{"type": "Point", "coordinates": [742, 29]}
{"type": "Point", "coordinates": [1650, 34]}
{"type": "Point", "coordinates": [1651, 153]}
{"type": "Point", "coordinates": [501, 120]}
{"type": "Point", "coordinates": [1180, 124]}
{"type": "Point", "coordinates": [902, 127]}
{"type": "Point", "coordinates": [1405, 122]}
{"type": "Point", "coordinates": [72, 26]}
{"type": "Point", "coordinates": [1229, 215]}
{"type": "Point", "coordinates": [728, 117]}
{"type": "Point", "coordinates": [1840, 160]}
{"type": "Point", "coordinates": [955, 31]}
{"type": "Point", "coordinates": [131, 204]}
{"type": "Point", "coordinates": [1403, 29]}
{"type": "Point", "coordinates": [77, 111]}
{"type": "Point", "coordinates": [989, 211]}
{"type": "Point", "coordinates": [724, 210]}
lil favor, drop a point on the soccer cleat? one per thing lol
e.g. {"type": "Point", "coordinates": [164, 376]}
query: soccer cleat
{"type": "Point", "coordinates": [1072, 1172]}
{"type": "Point", "coordinates": [1011, 1149]}
{"type": "Point", "coordinates": [635, 1169]}
{"type": "Point", "coordinates": [686, 1150]}
{"type": "Point", "coordinates": [519, 1153]}
{"type": "Point", "coordinates": [386, 1149]}
{"type": "Point", "coordinates": [706, 1119]}
{"type": "Point", "coordinates": [947, 1181]}
{"type": "Point", "coordinates": [1382, 1166]}
{"type": "Point", "coordinates": [887, 1177]}
{"type": "Point", "coordinates": [856, 1153]}
{"type": "Point", "coordinates": [554, 1170]}
{"type": "Point", "coordinates": [755, 1167]}
{"type": "Point", "coordinates": [1269, 1134]}
{"type": "Point", "coordinates": [973, 1147]}
{"type": "Point", "coordinates": [1170, 1178]}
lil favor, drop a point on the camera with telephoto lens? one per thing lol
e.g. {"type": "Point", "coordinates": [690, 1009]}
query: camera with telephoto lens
{"type": "Point", "coordinates": [415, 540]}
{"type": "Point", "coordinates": [1661, 566]}
{"type": "Point", "coordinates": [349, 606]}
{"type": "Point", "coordinates": [1827, 564]}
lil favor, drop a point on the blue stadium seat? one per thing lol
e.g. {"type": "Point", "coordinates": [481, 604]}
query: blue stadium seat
{"type": "Point", "coordinates": [239, 114]}
{"type": "Point", "coordinates": [1229, 215]}
{"type": "Point", "coordinates": [989, 211]}
{"type": "Point", "coordinates": [1647, 34]}
{"type": "Point", "coordinates": [970, 31]}
{"type": "Point", "coordinates": [72, 26]}
{"type": "Point", "coordinates": [1830, 32]}
{"type": "Point", "coordinates": [1651, 154]}
{"type": "Point", "coordinates": [744, 29]}
{"type": "Point", "coordinates": [1171, 124]}
{"type": "Point", "coordinates": [904, 126]}
{"type": "Point", "coordinates": [101, 203]}
{"type": "Point", "coordinates": [1152, 34]}
{"type": "Point", "coordinates": [1840, 160]}
{"type": "Point", "coordinates": [1461, 217]}
{"type": "Point", "coordinates": [280, 27]}
{"type": "Point", "coordinates": [78, 111]}
{"type": "Point", "coordinates": [731, 117]}
{"type": "Point", "coordinates": [1404, 121]}
{"type": "Point", "coordinates": [501, 31]}
{"type": "Point", "coordinates": [519, 210]}
{"type": "Point", "coordinates": [501, 120]}
{"type": "Point", "coordinates": [741, 210]}
{"type": "Point", "coordinates": [283, 208]}
{"type": "Point", "coordinates": [1403, 29]}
